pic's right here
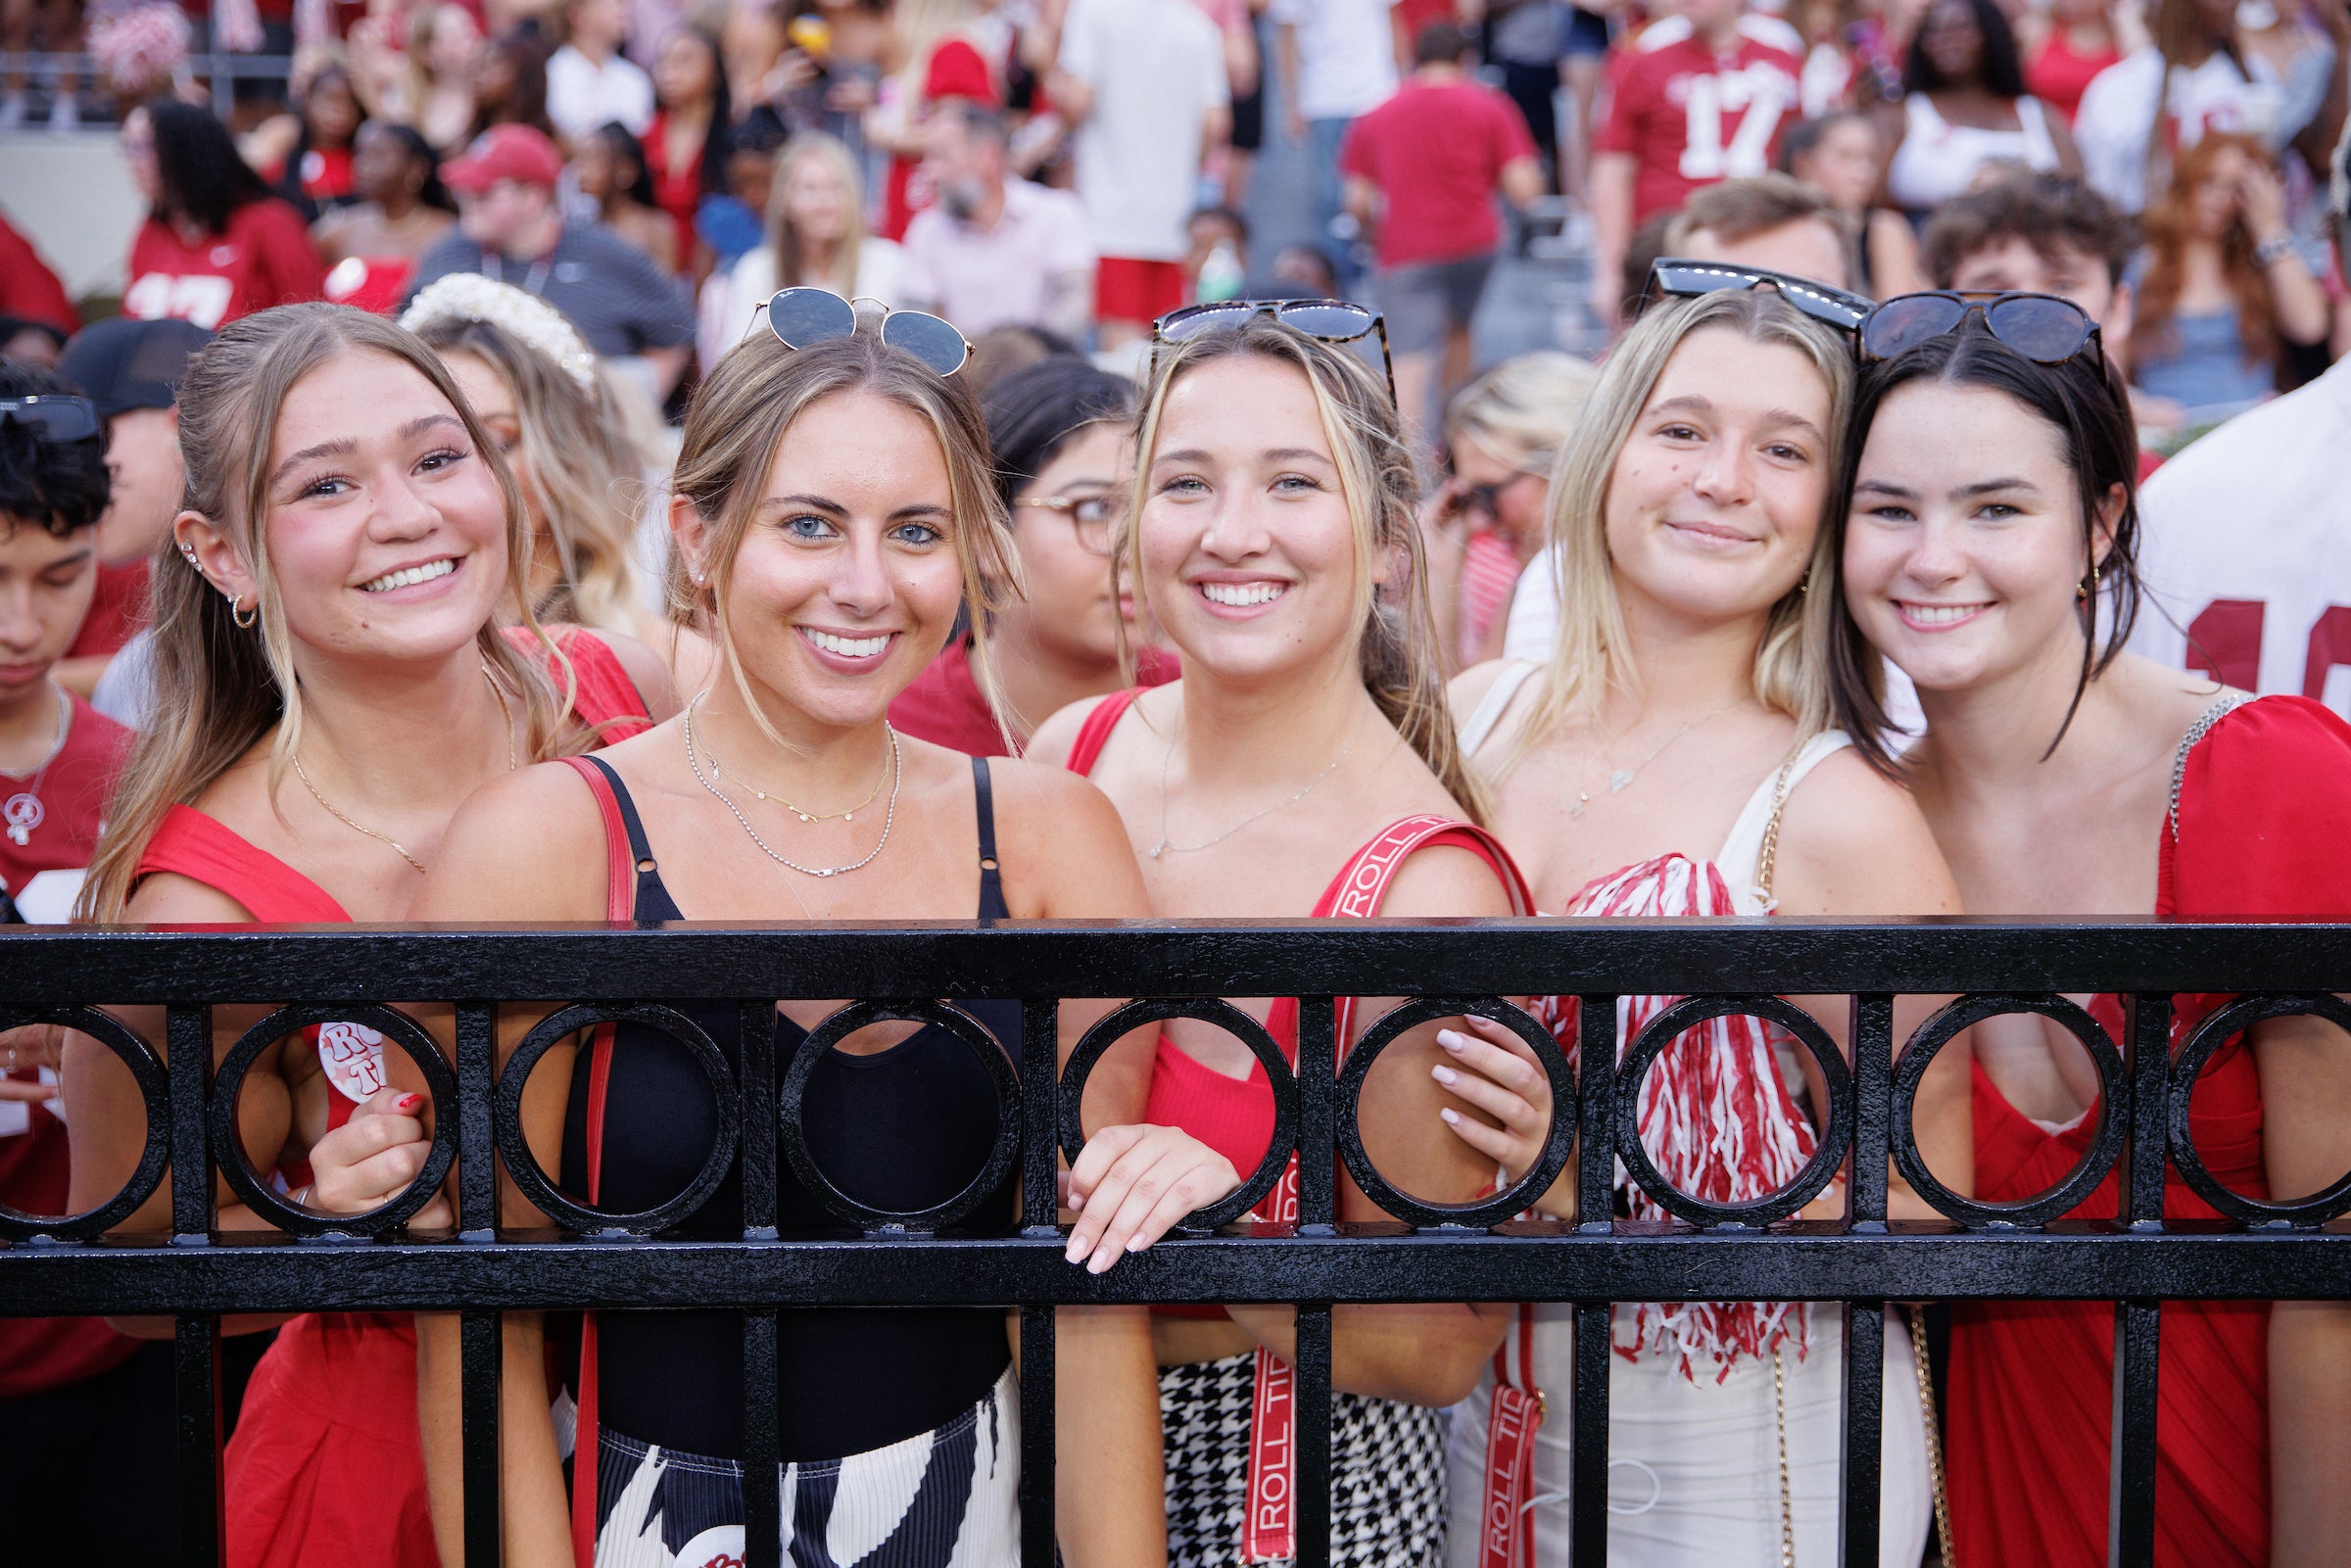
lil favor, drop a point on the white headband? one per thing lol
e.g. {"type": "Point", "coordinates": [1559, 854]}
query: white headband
{"type": "Point", "coordinates": [471, 297]}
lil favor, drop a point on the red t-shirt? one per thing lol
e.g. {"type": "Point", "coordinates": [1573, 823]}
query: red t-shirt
{"type": "Point", "coordinates": [1690, 117]}
{"type": "Point", "coordinates": [264, 259]}
{"type": "Point", "coordinates": [48, 1353]}
{"type": "Point", "coordinates": [2263, 802]}
{"type": "Point", "coordinates": [29, 288]}
{"type": "Point", "coordinates": [116, 612]}
{"type": "Point", "coordinates": [1435, 151]}
{"type": "Point", "coordinates": [944, 706]}
{"type": "Point", "coordinates": [956, 71]}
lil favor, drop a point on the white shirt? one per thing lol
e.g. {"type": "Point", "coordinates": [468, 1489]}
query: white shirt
{"type": "Point", "coordinates": [2119, 109]}
{"type": "Point", "coordinates": [1157, 69]}
{"type": "Point", "coordinates": [582, 95]}
{"type": "Point", "coordinates": [2245, 540]}
{"type": "Point", "coordinates": [1007, 275]}
{"type": "Point", "coordinates": [1346, 55]}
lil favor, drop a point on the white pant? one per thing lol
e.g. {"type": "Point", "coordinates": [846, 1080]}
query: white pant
{"type": "Point", "coordinates": [1693, 1468]}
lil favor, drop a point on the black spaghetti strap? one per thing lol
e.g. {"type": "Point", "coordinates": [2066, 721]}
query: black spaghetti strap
{"type": "Point", "coordinates": [991, 881]}
{"type": "Point", "coordinates": [649, 891]}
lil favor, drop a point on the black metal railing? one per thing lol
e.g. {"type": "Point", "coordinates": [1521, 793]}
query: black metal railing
{"type": "Point", "coordinates": [1470, 1252]}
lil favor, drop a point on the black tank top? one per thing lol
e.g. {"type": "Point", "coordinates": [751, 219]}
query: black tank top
{"type": "Point", "coordinates": [903, 1128]}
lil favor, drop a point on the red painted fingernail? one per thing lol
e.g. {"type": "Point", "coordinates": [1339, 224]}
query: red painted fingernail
{"type": "Point", "coordinates": [407, 1102]}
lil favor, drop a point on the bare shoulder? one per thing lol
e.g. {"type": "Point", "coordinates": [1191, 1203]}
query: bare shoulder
{"type": "Point", "coordinates": [1058, 735]}
{"type": "Point", "coordinates": [1852, 842]}
{"type": "Point", "coordinates": [527, 847]}
{"type": "Point", "coordinates": [1444, 881]}
{"type": "Point", "coordinates": [1468, 688]}
{"type": "Point", "coordinates": [1063, 844]}
{"type": "Point", "coordinates": [647, 671]}
{"type": "Point", "coordinates": [167, 898]}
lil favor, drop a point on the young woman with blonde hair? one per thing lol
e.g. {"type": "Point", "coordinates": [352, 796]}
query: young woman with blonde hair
{"type": "Point", "coordinates": [1304, 764]}
{"type": "Point", "coordinates": [816, 238]}
{"type": "Point", "coordinates": [834, 510]}
{"type": "Point", "coordinates": [1676, 756]}
{"type": "Point", "coordinates": [330, 679]}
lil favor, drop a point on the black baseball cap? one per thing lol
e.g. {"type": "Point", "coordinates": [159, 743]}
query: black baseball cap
{"type": "Point", "coordinates": [123, 364]}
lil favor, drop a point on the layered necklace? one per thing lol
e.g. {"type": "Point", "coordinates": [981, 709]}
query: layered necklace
{"type": "Point", "coordinates": [24, 811]}
{"type": "Point", "coordinates": [1168, 846]}
{"type": "Point", "coordinates": [890, 816]}
{"type": "Point", "coordinates": [504, 712]}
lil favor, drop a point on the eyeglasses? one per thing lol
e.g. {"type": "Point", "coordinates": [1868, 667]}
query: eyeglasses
{"type": "Point", "coordinates": [2043, 327]}
{"type": "Point", "coordinates": [1679, 277]}
{"type": "Point", "coordinates": [1092, 518]}
{"type": "Point", "coordinates": [53, 417]}
{"type": "Point", "coordinates": [1324, 320]}
{"type": "Point", "coordinates": [802, 316]}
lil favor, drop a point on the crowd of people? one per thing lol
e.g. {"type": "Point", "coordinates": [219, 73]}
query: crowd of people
{"type": "Point", "coordinates": [846, 461]}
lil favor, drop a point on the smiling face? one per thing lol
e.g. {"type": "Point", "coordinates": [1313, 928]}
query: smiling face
{"type": "Point", "coordinates": [816, 198]}
{"type": "Point", "coordinates": [1966, 540]}
{"type": "Point", "coordinates": [386, 529]}
{"type": "Point", "coordinates": [1714, 503]}
{"type": "Point", "coordinates": [1250, 555]}
{"type": "Point", "coordinates": [847, 583]}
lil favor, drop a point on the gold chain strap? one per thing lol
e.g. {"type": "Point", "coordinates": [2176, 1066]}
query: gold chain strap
{"type": "Point", "coordinates": [1925, 1401]}
{"type": "Point", "coordinates": [1768, 859]}
{"type": "Point", "coordinates": [1779, 1410]}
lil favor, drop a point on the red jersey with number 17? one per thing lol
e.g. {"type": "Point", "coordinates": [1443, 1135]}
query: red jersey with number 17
{"type": "Point", "coordinates": [1690, 115]}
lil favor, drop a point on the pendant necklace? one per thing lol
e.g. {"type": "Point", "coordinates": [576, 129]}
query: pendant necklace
{"type": "Point", "coordinates": [24, 811]}
{"type": "Point", "coordinates": [898, 766]}
{"type": "Point", "coordinates": [1168, 846]}
{"type": "Point", "coordinates": [504, 712]}
{"type": "Point", "coordinates": [1620, 777]}
{"type": "Point", "coordinates": [850, 815]}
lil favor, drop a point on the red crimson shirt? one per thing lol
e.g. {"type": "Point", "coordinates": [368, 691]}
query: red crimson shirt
{"type": "Point", "coordinates": [27, 286]}
{"type": "Point", "coordinates": [1690, 117]}
{"type": "Point", "coordinates": [1435, 151]}
{"type": "Point", "coordinates": [264, 259]}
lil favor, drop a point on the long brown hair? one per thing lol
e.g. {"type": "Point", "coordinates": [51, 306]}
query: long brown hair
{"type": "Point", "coordinates": [222, 688]}
{"type": "Point", "coordinates": [738, 421]}
{"type": "Point", "coordinates": [2168, 225]}
{"type": "Point", "coordinates": [1397, 648]}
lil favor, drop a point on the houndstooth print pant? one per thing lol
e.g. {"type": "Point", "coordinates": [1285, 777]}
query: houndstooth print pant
{"type": "Point", "coordinates": [1387, 1471]}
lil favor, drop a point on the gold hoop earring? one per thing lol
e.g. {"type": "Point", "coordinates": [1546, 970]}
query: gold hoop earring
{"type": "Point", "coordinates": [2082, 591]}
{"type": "Point", "coordinates": [244, 618]}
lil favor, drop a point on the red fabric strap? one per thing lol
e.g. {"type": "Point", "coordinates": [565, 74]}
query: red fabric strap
{"type": "Point", "coordinates": [1094, 734]}
{"type": "Point", "coordinates": [188, 844]}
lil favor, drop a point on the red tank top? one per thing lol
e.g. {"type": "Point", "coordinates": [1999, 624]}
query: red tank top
{"type": "Point", "coordinates": [2261, 834]}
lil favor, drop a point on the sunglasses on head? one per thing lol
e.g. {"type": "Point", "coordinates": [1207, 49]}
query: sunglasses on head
{"type": "Point", "coordinates": [802, 316]}
{"type": "Point", "coordinates": [1324, 320]}
{"type": "Point", "coordinates": [1681, 279]}
{"type": "Point", "coordinates": [2041, 327]}
{"type": "Point", "coordinates": [53, 417]}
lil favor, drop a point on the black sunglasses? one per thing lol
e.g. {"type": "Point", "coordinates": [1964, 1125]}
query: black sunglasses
{"type": "Point", "coordinates": [801, 316]}
{"type": "Point", "coordinates": [1681, 279]}
{"type": "Point", "coordinates": [1324, 320]}
{"type": "Point", "coordinates": [53, 417]}
{"type": "Point", "coordinates": [2041, 327]}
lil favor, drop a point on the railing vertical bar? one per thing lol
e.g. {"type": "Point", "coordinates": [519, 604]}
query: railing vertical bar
{"type": "Point", "coordinates": [1872, 1034]}
{"type": "Point", "coordinates": [481, 1362]}
{"type": "Point", "coordinates": [2130, 1501]}
{"type": "Point", "coordinates": [188, 1041]}
{"type": "Point", "coordinates": [762, 1449]}
{"type": "Point", "coordinates": [756, 1027]}
{"type": "Point", "coordinates": [1318, 1113]}
{"type": "Point", "coordinates": [1040, 1079]}
{"type": "Point", "coordinates": [477, 1132]}
{"type": "Point", "coordinates": [1311, 1474]}
{"type": "Point", "coordinates": [1588, 1431]}
{"type": "Point", "coordinates": [196, 1376]}
{"type": "Point", "coordinates": [2147, 1023]}
{"type": "Point", "coordinates": [1037, 1438]}
{"type": "Point", "coordinates": [1862, 1433]}
{"type": "Point", "coordinates": [1596, 1114]}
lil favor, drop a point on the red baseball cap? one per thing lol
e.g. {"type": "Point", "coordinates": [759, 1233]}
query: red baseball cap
{"type": "Point", "coordinates": [504, 152]}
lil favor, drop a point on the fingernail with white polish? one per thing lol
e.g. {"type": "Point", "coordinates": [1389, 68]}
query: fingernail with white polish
{"type": "Point", "coordinates": [1444, 1075]}
{"type": "Point", "coordinates": [1450, 1040]}
{"type": "Point", "coordinates": [1451, 1115]}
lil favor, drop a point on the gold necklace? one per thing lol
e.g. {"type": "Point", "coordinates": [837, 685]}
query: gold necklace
{"type": "Point", "coordinates": [850, 815]}
{"type": "Point", "coordinates": [504, 712]}
{"type": "Point", "coordinates": [1619, 777]}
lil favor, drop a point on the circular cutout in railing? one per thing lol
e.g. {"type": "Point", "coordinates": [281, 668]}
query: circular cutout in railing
{"type": "Point", "coordinates": [1222, 1015]}
{"type": "Point", "coordinates": [154, 1157]}
{"type": "Point", "coordinates": [1003, 1150]}
{"type": "Point", "coordinates": [723, 1128]}
{"type": "Point", "coordinates": [2214, 1031]}
{"type": "Point", "coordinates": [2106, 1137]}
{"type": "Point", "coordinates": [1392, 1026]}
{"type": "Point", "coordinates": [228, 1150]}
{"type": "Point", "coordinates": [1808, 1182]}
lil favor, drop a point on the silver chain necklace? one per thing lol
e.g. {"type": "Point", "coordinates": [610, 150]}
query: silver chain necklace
{"type": "Point", "coordinates": [24, 811]}
{"type": "Point", "coordinates": [1166, 847]}
{"type": "Point", "coordinates": [897, 775]}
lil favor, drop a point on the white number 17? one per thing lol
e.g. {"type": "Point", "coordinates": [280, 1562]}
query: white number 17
{"type": "Point", "coordinates": [1705, 156]}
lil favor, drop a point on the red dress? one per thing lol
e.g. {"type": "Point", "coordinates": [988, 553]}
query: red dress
{"type": "Point", "coordinates": [2263, 812]}
{"type": "Point", "coordinates": [676, 191]}
{"type": "Point", "coordinates": [326, 1465]}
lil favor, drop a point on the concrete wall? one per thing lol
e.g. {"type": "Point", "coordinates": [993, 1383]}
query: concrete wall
{"type": "Point", "coordinates": [73, 198]}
